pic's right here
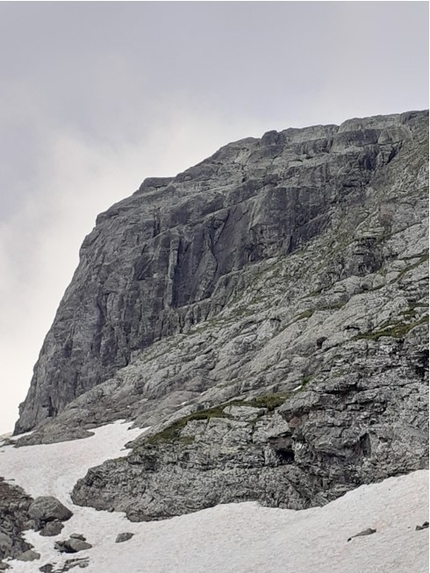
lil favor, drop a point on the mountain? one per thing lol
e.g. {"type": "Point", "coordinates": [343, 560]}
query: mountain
{"type": "Point", "coordinates": [265, 313]}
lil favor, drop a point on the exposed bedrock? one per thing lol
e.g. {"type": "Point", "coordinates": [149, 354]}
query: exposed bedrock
{"type": "Point", "coordinates": [360, 420]}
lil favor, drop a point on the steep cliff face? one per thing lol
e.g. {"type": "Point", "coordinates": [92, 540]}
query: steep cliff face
{"type": "Point", "coordinates": [265, 312]}
{"type": "Point", "coordinates": [180, 249]}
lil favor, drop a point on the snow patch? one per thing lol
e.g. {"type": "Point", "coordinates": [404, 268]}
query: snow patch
{"type": "Point", "coordinates": [237, 538]}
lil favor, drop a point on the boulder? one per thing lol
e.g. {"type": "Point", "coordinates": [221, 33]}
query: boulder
{"type": "Point", "coordinates": [51, 528]}
{"type": "Point", "coordinates": [28, 555]}
{"type": "Point", "coordinates": [47, 508]}
{"type": "Point", "coordinates": [67, 566]}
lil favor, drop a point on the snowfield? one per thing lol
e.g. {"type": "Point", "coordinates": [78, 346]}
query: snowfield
{"type": "Point", "coordinates": [237, 538]}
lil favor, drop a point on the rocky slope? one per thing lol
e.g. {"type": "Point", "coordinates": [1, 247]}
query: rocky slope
{"type": "Point", "coordinates": [265, 312]}
{"type": "Point", "coordinates": [19, 513]}
{"type": "Point", "coordinates": [14, 504]}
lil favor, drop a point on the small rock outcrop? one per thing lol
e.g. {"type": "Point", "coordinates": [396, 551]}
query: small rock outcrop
{"type": "Point", "coordinates": [121, 537]}
{"type": "Point", "coordinates": [46, 509]}
{"type": "Point", "coordinates": [368, 531]}
{"type": "Point", "coordinates": [72, 545]}
{"type": "Point", "coordinates": [81, 563]}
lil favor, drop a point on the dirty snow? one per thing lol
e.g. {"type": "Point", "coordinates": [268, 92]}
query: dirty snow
{"type": "Point", "coordinates": [237, 538]}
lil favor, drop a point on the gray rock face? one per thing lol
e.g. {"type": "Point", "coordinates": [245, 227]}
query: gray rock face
{"type": "Point", "coordinates": [293, 450]}
{"type": "Point", "coordinates": [266, 314]}
{"type": "Point", "coordinates": [365, 532]}
{"type": "Point", "coordinates": [51, 528]}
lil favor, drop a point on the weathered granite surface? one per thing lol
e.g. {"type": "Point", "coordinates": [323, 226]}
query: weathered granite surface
{"type": "Point", "coordinates": [265, 312]}
{"type": "Point", "coordinates": [360, 419]}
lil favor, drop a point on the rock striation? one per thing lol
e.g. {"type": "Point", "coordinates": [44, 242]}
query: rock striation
{"type": "Point", "coordinates": [265, 312]}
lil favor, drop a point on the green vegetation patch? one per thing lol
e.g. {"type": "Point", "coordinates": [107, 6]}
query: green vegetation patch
{"type": "Point", "coordinates": [308, 313]}
{"type": "Point", "coordinates": [424, 257]}
{"type": "Point", "coordinates": [398, 330]}
{"type": "Point", "coordinates": [269, 401]}
{"type": "Point", "coordinates": [305, 314]}
{"type": "Point", "coordinates": [333, 306]}
{"type": "Point", "coordinates": [172, 433]}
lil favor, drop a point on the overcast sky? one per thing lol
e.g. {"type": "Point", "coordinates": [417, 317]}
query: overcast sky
{"type": "Point", "coordinates": [96, 96]}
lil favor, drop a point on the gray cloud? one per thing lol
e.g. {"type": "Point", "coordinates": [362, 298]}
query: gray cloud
{"type": "Point", "coordinates": [98, 95]}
